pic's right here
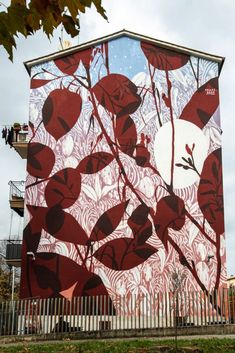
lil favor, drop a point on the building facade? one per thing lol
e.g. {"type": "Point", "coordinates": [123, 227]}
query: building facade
{"type": "Point", "coordinates": [124, 173]}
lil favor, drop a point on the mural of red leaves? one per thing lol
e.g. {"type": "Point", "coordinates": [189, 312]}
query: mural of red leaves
{"type": "Point", "coordinates": [117, 94]}
{"type": "Point", "coordinates": [170, 214]}
{"type": "Point", "coordinates": [210, 192]}
{"type": "Point", "coordinates": [41, 160]}
{"type": "Point", "coordinates": [61, 111]}
{"type": "Point", "coordinates": [63, 188]}
{"type": "Point", "coordinates": [203, 104]}
{"type": "Point", "coordinates": [126, 134]}
{"type": "Point", "coordinates": [36, 83]}
{"type": "Point", "coordinates": [108, 222]}
{"type": "Point", "coordinates": [140, 225]}
{"type": "Point", "coordinates": [95, 162]}
{"type": "Point", "coordinates": [105, 131]}
{"type": "Point", "coordinates": [163, 59]}
{"type": "Point", "coordinates": [63, 226]}
{"type": "Point", "coordinates": [123, 254]}
{"type": "Point", "coordinates": [69, 64]}
{"type": "Point", "coordinates": [31, 239]}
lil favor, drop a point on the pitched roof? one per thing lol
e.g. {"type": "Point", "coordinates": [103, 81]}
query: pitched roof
{"type": "Point", "coordinates": [125, 33]}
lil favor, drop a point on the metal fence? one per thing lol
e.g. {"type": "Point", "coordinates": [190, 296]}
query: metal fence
{"type": "Point", "coordinates": [163, 310]}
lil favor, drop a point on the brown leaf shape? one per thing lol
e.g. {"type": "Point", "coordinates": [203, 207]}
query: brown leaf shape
{"type": "Point", "coordinates": [108, 222]}
{"type": "Point", "coordinates": [63, 226]}
{"type": "Point", "coordinates": [63, 188]}
{"type": "Point", "coordinates": [123, 254]}
{"type": "Point", "coordinates": [95, 162]}
{"type": "Point", "coordinates": [61, 111]}
{"type": "Point", "coordinates": [36, 83]}
{"type": "Point", "coordinates": [117, 94]}
{"type": "Point", "coordinates": [203, 104]}
{"type": "Point", "coordinates": [40, 160]}
{"type": "Point", "coordinates": [210, 192]}
{"type": "Point", "coordinates": [163, 59]}
{"type": "Point", "coordinates": [69, 64]}
{"type": "Point", "coordinates": [126, 134]}
{"type": "Point", "coordinates": [170, 214]}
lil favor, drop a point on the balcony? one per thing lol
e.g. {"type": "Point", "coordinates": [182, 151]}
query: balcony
{"type": "Point", "coordinates": [13, 253]}
{"type": "Point", "coordinates": [17, 137]}
{"type": "Point", "coordinates": [16, 197]}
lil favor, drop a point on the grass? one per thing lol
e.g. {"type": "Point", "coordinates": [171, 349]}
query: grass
{"type": "Point", "coordinates": [213, 345]}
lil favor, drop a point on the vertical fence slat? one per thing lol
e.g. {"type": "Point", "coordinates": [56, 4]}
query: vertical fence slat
{"type": "Point", "coordinates": [78, 309]}
{"type": "Point", "coordinates": [232, 295]}
{"type": "Point", "coordinates": [132, 308]}
{"type": "Point", "coordinates": [217, 306]}
{"type": "Point", "coordinates": [154, 310]}
{"type": "Point", "coordinates": [193, 304]}
{"type": "Point", "coordinates": [197, 311]}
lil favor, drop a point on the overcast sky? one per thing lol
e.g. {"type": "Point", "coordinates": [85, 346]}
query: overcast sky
{"type": "Point", "coordinates": [207, 25]}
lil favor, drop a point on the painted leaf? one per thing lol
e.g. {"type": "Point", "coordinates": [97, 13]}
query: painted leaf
{"type": "Point", "coordinates": [203, 104]}
{"type": "Point", "coordinates": [210, 192]}
{"type": "Point", "coordinates": [37, 83]}
{"type": "Point", "coordinates": [69, 64]}
{"type": "Point", "coordinates": [61, 111]}
{"type": "Point", "coordinates": [31, 239]}
{"type": "Point", "coordinates": [123, 254]}
{"type": "Point", "coordinates": [142, 156]}
{"type": "Point", "coordinates": [140, 225]}
{"type": "Point", "coordinates": [92, 286]}
{"type": "Point", "coordinates": [63, 188]}
{"type": "Point", "coordinates": [170, 214]}
{"type": "Point", "coordinates": [47, 278]}
{"type": "Point", "coordinates": [163, 59]}
{"type": "Point", "coordinates": [38, 217]}
{"type": "Point", "coordinates": [117, 94]}
{"type": "Point", "coordinates": [95, 162]}
{"type": "Point", "coordinates": [41, 160]}
{"type": "Point", "coordinates": [63, 226]}
{"type": "Point", "coordinates": [48, 275]}
{"type": "Point", "coordinates": [108, 222]}
{"type": "Point", "coordinates": [126, 134]}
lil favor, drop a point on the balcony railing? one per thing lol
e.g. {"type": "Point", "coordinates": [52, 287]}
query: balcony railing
{"type": "Point", "coordinates": [13, 252]}
{"type": "Point", "coordinates": [16, 197]}
{"type": "Point", "coordinates": [17, 136]}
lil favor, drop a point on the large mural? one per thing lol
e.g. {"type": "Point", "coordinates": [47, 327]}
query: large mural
{"type": "Point", "coordinates": [124, 181]}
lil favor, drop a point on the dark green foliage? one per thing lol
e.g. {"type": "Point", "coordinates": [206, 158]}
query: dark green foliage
{"type": "Point", "coordinates": [27, 17]}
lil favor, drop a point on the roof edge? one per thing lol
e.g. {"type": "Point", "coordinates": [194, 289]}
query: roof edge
{"type": "Point", "coordinates": [167, 45]}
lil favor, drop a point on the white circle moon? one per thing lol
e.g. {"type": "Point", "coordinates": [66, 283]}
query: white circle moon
{"type": "Point", "coordinates": [186, 133]}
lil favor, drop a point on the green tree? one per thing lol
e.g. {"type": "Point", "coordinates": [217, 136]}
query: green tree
{"type": "Point", "coordinates": [5, 282]}
{"type": "Point", "coordinates": [27, 17]}
{"type": "Point", "coordinates": [6, 276]}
